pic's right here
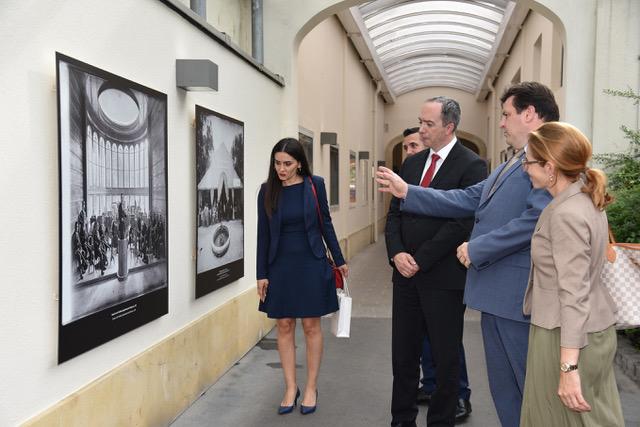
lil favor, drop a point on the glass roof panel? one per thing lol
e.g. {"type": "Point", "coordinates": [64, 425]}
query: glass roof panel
{"type": "Point", "coordinates": [470, 9]}
{"type": "Point", "coordinates": [461, 77]}
{"type": "Point", "coordinates": [418, 84]}
{"type": "Point", "coordinates": [431, 49]}
{"type": "Point", "coordinates": [451, 70]}
{"type": "Point", "coordinates": [431, 19]}
{"type": "Point", "coordinates": [427, 30]}
{"type": "Point", "coordinates": [433, 42]}
{"type": "Point", "coordinates": [444, 60]}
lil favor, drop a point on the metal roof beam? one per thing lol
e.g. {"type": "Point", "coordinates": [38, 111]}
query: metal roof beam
{"type": "Point", "coordinates": [490, 35]}
{"type": "Point", "coordinates": [443, 59]}
{"type": "Point", "coordinates": [434, 83]}
{"type": "Point", "coordinates": [436, 43]}
{"type": "Point", "coordinates": [352, 22]}
{"type": "Point", "coordinates": [373, 7]}
{"type": "Point", "coordinates": [437, 12]}
{"type": "Point", "coordinates": [438, 51]}
{"type": "Point", "coordinates": [436, 39]}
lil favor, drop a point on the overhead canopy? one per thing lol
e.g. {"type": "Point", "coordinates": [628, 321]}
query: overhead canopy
{"type": "Point", "coordinates": [411, 44]}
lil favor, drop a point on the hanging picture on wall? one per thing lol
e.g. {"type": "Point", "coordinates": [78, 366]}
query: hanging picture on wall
{"type": "Point", "coordinates": [220, 200]}
{"type": "Point", "coordinates": [112, 136]}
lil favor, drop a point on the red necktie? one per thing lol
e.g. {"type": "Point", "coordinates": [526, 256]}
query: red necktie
{"type": "Point", "coordinates": [432, 168]}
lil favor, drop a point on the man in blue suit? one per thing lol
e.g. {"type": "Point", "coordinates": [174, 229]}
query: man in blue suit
{"type": "Point", "coordinates": [506, 209]}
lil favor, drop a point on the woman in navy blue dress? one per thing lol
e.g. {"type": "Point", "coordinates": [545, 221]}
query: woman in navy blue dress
{"type": "Point", "coordinates": [294, 277]}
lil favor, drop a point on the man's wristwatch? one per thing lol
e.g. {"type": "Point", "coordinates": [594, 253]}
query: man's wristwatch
{"type": "Point", "coordinates": [567, 367]}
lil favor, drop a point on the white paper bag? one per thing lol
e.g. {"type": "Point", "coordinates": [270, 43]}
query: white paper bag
{"type": "Point", "coordinates": [341, 320]}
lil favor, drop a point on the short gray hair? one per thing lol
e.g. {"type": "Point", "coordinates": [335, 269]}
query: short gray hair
{"type": "Point", "coordinates": [450, 110]}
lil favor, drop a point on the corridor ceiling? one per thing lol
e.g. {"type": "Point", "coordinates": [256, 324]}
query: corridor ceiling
{"type": "Point", "coordinates": [412, 44]}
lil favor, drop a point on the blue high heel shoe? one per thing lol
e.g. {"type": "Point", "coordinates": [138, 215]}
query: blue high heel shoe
{"type": "Point", "coordinates": [289, 409]}
{"type": "Point", "coordinates": [305, 410]}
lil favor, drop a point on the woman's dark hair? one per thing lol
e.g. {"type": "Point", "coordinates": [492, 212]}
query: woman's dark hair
{"type": "Point", "coordinates": [294, 148]}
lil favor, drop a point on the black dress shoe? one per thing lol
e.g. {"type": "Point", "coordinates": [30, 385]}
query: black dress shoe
{"type": "Point", "coordinates": [423, 398]}
{"type": "Point", "coordinates": [463, 409]}
{"type": "Point", "coordinates": [404, 424]}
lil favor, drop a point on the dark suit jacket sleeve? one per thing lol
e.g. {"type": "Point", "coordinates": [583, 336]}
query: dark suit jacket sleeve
{"type": "Point", "coordinates": [392, 229]}
{"type": "Point", "coordinates": [262, 256]}
{"type": "Point", "coordinates": [455, 231]}
{"type": "Point", "coordinates": [328, 232]}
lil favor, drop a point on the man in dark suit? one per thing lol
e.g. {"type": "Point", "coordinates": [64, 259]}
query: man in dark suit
{"type": "Point", "coordinates": [412, 144]}
{"type": "Point", "coordinates": [428, 280]}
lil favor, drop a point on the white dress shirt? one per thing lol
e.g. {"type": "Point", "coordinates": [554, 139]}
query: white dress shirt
{"type": "Point", "coordinates": [443, 153]}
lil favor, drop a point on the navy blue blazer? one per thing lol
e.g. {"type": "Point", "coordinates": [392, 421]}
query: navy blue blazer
{"type": "Point", "coordinates": [500, 242]}
{"type": "Point", "coordinates": [269, 228]}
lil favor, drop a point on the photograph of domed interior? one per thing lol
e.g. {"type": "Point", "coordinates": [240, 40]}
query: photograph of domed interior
{"type": "Point", "coordinates": [113, 205]}
{"type": "Point", "coordinates": [220, 200]}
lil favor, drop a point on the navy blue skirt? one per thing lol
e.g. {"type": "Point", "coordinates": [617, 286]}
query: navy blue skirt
{"type": "Point", "coordinates": [300, 285]}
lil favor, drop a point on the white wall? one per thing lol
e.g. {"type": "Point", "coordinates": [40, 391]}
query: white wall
{"type": "Point", "coordinates": [617, 66]}
{"type": "Point", "coordinates": [139, 40]}
{"type": "Point", "coordinates": [336, 95]}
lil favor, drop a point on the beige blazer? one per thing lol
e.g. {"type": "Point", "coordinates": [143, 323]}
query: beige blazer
{"type": "Point", "coordinates": [568, 251]}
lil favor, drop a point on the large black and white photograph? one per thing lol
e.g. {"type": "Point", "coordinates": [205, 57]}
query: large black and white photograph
{"type": "Point", "coordinates": [113, 205]}
{"type": "Point", "coordinates": [220, 200]}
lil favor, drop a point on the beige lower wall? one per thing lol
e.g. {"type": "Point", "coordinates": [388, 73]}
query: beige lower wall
{"type": "Point", "coordinates": [154, 387]}
{"type": "Point", "coordinates": [382, 223]}
{"type": "Point", "coordinates": [358, 241]}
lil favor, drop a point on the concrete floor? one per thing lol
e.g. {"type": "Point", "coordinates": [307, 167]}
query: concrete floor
{"type": "Point", "coordinates": [355, 380]}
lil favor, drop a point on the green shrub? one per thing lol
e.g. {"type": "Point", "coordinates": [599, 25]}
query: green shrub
{"type": "Point", "coordinates": [624, 215]}
{"type": "Point", "coordinates": [623, 173]}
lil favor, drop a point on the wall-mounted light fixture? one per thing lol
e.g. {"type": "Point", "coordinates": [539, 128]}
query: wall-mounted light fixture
{"type": "Point", "coordinates": [330, 138]}
{"type": "Point", "coordinates": [196, 74]}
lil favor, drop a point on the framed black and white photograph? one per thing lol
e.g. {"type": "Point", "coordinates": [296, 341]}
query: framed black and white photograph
{"type": "Point", "coordinates": [220, 200]}
{"type": "Point", "coordinates": [112, 152]}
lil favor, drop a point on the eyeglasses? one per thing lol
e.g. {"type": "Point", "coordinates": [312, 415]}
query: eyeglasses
{"type": "Point", "coordinates": [526, 163]}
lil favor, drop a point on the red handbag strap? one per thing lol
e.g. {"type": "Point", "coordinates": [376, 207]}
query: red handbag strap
{"type": "Point", "coordinates": [315, 196]}
{"type": "Point", "coordinates": [337, 272]}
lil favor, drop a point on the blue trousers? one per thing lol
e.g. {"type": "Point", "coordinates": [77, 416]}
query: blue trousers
{"type": "Point", "coordinates": [429, 371]}
{"type": "Point", "coordinates": [505, 347]}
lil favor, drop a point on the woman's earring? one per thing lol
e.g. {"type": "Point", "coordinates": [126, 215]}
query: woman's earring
{"type": "Point", "coordinates": [550, 178]}
{"type": "Point", "coordinates": [299, 170]}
